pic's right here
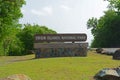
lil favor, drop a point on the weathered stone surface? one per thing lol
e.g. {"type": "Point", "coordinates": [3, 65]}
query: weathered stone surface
{"type": "Point", "coordinates": [61, 52]}
{"type": "Point", "coordinates": [116, 55]}
{"type": "Point", "coordinates": [60, 49]}
{"type": "Point", "coordinates": [108, 74]}
{"type": "Point", "coordinates": [99, 50]}
{"type": "Point", "coordinates": [17, 77]}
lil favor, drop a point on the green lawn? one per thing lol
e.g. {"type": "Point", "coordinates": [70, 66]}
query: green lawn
{"type": "Point", "coordinates": [61, 68]}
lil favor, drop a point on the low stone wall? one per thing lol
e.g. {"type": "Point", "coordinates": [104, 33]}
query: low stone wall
{"type": "Point", "coordinates": [61, 52]}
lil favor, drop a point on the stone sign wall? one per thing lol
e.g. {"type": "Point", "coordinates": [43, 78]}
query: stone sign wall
{"type": "Point", "coordinates": [54, 45]}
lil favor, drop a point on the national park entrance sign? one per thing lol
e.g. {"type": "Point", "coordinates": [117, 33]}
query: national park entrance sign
{"type": "Point", "coordinates": [57, 45]}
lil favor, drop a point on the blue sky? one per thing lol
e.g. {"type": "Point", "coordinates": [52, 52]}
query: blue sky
{"type": "Point", "coordinates": [63, 16]}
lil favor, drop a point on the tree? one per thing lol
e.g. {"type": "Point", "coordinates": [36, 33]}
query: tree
{"type": "Point", "coordinates": [106, 32]}
{"type": "Point", "coordinates": [10, 13]}
{"type": "Point", "coordinates": [26, 35]}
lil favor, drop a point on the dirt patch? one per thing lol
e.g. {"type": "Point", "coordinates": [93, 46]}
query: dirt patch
{"type": "Point", "coordinates": [10, 59]}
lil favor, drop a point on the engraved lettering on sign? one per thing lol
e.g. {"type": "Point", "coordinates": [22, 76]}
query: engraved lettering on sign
{"type": "Point", "coordinates": [68, 37]}
{"type": "Point", "coordinates": [60, 37]}
{"type": "Point", "coordinates": [53, 37]}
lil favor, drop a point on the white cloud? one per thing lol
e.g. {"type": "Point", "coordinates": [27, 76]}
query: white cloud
{"type": "Point", "coordinates": [43, 12]}
{"type": "Point", "coordinates": [38, 13]}
{"type": "Point", "coordinates": [65, 7]}
{"type": "Point", "coordinates": [48, 10]}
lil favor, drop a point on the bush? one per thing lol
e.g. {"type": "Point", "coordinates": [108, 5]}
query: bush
{"type": "Point", "coordinates": [16, 48]}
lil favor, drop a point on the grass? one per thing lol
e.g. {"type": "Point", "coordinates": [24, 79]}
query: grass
{"type": "Point", "coordinates": [61, 68]}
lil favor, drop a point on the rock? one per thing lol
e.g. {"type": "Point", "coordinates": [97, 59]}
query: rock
{"type": "Point", "coordinates": [99, 50]}
{"type": "Point", "coordinates": [17, 77]}
{"type": "Point", "coordinates": [108, 74]}
{"type": "Point", "coordinates": [116, 55]}
{"type": "Point", "coordinates": [106, 52]}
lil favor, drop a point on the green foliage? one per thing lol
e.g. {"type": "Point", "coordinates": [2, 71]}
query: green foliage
{"type": "Point", "coordinates": [26, 35]}
{"type": "Point", "coordinates": [114, 4]}
{"type": "Point", "coordinates": [16, 48]}
{"type": "Point", "coordinates": [106, 32]}
{"type": "Point", "coordinates": [92, 23]}
{"type": "Point", "coordinates": [10, 13]}
{"type": "Point", "coordinates": [11, 44]}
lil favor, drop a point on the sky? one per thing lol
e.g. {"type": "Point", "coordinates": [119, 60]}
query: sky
{"type": "Point", "coordinates": [63, 16]}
